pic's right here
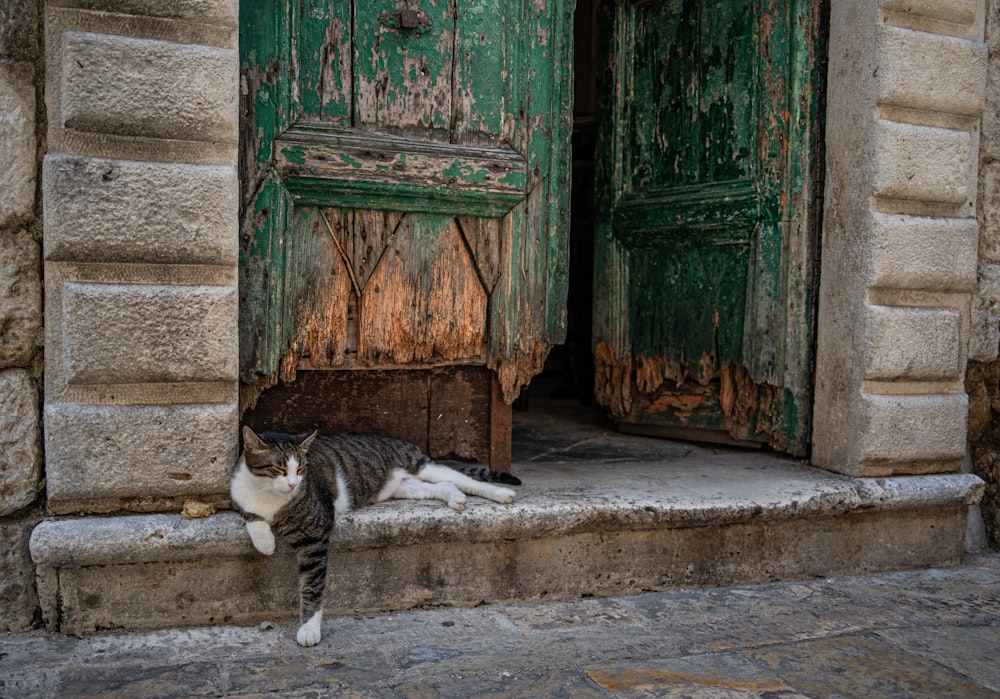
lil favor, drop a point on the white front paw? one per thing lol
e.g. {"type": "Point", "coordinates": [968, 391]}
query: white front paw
{"type": "Point", "coordinates": [310, 632]}
{"type": "Point", "coordinates": [457, 502]}
{"type": "Point", "coordinates": [505, 496]}
{"type": "Point", "coordinates": [261, 536]}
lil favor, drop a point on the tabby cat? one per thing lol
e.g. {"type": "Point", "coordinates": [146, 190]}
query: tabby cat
{"type": "Point", "coordinates": [295, 485]}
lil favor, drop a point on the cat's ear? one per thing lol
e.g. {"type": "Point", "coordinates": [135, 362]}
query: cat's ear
{"type": "Point", "coordinates": [304, 444]}
{"type": "Point", "coordinates": [251, 442]}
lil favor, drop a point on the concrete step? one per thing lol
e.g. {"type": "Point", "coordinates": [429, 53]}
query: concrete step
{"type": "Point", "coordinates": [592, 518]}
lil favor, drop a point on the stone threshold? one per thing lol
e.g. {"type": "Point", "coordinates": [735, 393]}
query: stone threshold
{"type": "Point", "coordinates": [557, 500]}
{"type": "Point", "coordinates": [709, 518]}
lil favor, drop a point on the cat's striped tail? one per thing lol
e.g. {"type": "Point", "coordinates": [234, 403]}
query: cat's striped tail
{"type": "Point", "coordinates": [484, 473]}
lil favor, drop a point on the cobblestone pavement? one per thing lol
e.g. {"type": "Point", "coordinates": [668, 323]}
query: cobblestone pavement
{"type": "Point", "coordinates": [928, 633]}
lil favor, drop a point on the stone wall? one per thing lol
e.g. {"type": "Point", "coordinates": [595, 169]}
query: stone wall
{"type": "Point", "coordinates": [983, 381]}
{"type": "Point", "coordinates": [905, 95]}
{"type": "Point", "coordinates": [21, 483]}
{"type": "Point", "coordinates": [141, 222]}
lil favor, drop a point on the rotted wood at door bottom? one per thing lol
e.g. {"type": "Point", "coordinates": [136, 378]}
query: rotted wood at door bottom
{"type": "Point", "coordinates": [454, 412]}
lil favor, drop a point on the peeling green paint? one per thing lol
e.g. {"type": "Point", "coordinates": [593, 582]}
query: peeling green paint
{"type": "Point", "coordinates": [705, 183]}
{"type": "Point", "coordinates": [461, 78]}
{"type": "Point", "coordinates": [461, 171]}
{"type": "Point", "coordinates": [515, 178]}
{"type": "Point", "coordinates": [295, 155]}
{"type": "Point", "coordinates": [349, 160]}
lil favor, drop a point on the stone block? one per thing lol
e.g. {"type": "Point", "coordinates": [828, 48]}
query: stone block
{"type": "Point", "coordinates": [18, 163]}
{"type": "Point", "coordinates": [922, 163]}
{"type": "Point", "coordinates": [144, 333]}
{"type": "Point", "coordinates": [902, 434]}
{"type": "Point", "coordinates": [989, 210]}
{"type": "Point", "coordinates": [984, 333]}
{"type": "Point", "coordinates": [212, 11]}
{"type": "Point", "coordinates": [135, 452]}
{"type": "Point", "coordinates": [20, 441]}
{"type": "Point", "coordinates": [20, 301]}
{"type": "Point", "coordinates": [913, 343]}
{"type": "Point", "coordinates": [956, 11]}
{"type": "Point", "coordinates": [19, 30]}
{"type": "Point", "coordinates": [914, 252]}
{"type": "Point", "coordinates": [17, 584]}
{"type": "Point", "coordinates": [103, 210]}
{"type": "Point", "coordinates": [932, 72]}
{"type": "Point", "coordinates": [109, 85]}
{"type": "Point", "coordinates": [990, 134]}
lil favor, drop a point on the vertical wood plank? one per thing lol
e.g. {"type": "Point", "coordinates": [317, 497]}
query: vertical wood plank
{"type": "Point", "coordinates": [478, 85]}
{"type": "Point", "coordinates": [483, 237]}
{"type": "Point", "coordinates": [500, 427]}
{"type": "Point", "coordinates": [403, 77]}
{"type": "Point", "coordinates": [424, 301]}
{"type": "Point", "coordinates": [459, 419]}
{"type": "Point", "coordinates": [318, 280]}
{"type": "Point", "coordinates": [336, 77]}
{"type": "Point", "coordinates": [370, 233]}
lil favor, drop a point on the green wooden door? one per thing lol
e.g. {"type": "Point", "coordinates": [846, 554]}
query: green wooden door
{"type": "Point", "coordinates": [707, 219]}
{"type": "Point", "coordinates": [405, 178]}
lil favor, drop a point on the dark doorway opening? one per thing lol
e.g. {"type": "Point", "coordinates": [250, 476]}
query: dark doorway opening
{"type": "Point", "coordinates": [563, 394]}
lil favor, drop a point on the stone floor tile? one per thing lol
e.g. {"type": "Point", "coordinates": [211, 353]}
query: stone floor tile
{"type": "Point", "coordinates": [505, 685]}
{"type": "Point", "coordinates": [971, 651]}
{"type": "Point", "coordinates": [720, 619]}
{"type": "Point", "coordinates": [573, 616]}
{"type": "Point", "coordinates": [113, 681]}
{"type": "Point", "coordinates": [863, 666]}
{"type": "Point", "coordinates": [713, 676]}
{"type": "Point", "coordinates": [301, 669]}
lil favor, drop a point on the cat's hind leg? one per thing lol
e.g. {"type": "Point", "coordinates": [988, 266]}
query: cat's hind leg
{"type": "Point", "coordinates": [403, 486]}
{"type": "Point", "coordinates": [440, 474]}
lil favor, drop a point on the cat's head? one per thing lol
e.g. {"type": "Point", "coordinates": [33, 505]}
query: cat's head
{"type": "Point", "coordinates": [280, 458]}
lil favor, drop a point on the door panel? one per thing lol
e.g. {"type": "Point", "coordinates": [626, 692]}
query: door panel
{"type": "Point", "coordinates": [706, 218]}
{"type": "Point", "coordinates": [405, 186]}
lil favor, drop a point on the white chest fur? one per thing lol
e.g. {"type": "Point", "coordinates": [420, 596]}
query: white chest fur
{"type": "Point", "coordinates": [254, 494]}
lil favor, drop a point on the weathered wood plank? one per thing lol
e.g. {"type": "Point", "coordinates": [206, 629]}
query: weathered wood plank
{"type": "Point", "coordinates": [478, 82]}
{"type": "Point", "coordinates": [529, 313]}
{"type": "Point", "coordinates": [318, 286]}
{"type": "Point", "coordinates": [314, 157]}
{"type": "Point", "coordinates": [337, 78]}
{"type": "Point", "coordinates": [369, 235]}
{"type": "Point", "coordinates": [459, 418]}
{"type": "Point", "coordinates": [446, 411]}
{"type": "Point", "coordinates": [424, 301]}
{"type": "Point", "coordinates": [483, 237]}
{"type": "Point", "coordinates": [264, 334]}
{"type": "Point", "coordinates": [500, 427]}
{"type": "Point", "coordinates": [391, 403]}
{"type": "Point", "coordinates": [403, 76]}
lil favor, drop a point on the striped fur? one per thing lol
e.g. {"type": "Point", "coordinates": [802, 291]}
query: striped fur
{"type": "Point", "coordinates": [296, 485]}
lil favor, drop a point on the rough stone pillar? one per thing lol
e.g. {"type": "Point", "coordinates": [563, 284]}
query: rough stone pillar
{"type": "Point", "coordinates": [141, 223]}
{"type": "Point", "coordinates": [983, 377]}
{"type": "Point", "coordinates": [906, 89]}
{"type": "Point", "coordinates": [20, 310]}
